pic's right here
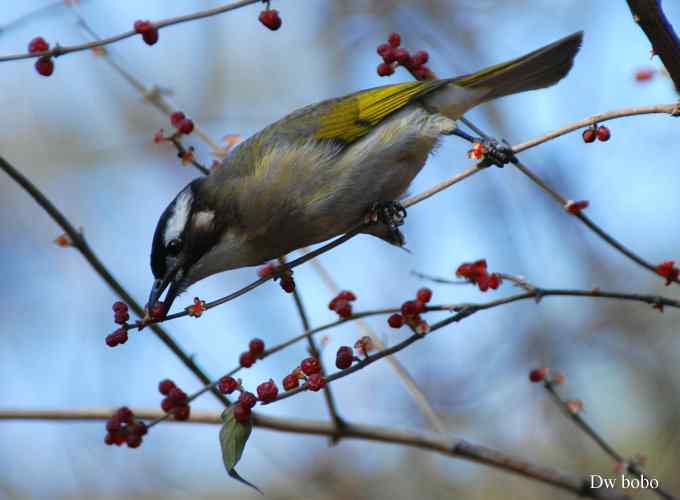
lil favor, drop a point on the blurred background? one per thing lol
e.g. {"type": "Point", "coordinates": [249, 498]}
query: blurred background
{"type": "Point", "coordinates": [84, 136]}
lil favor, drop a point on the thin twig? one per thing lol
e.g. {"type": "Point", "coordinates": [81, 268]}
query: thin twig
{"type": "Point", "coordinates": [649, 15]}
{"type": "Point", "coordinates": [59, 50]}
{"type": "Point", "coordinates": [314, 351]}
{"type": "Point", "coordinates": [456, 448]}
{"type": "Point", "coordinates": [83, 247]}
{"type": "Point", "coordinates": [632, 467]}
{"type": "Point", "coordinates": [409, 382]}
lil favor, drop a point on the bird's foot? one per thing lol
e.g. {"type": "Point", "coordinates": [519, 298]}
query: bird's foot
{"type": "Point", "coordinates": [390, 213]}
{"type": "Point", "coordinates": [489, 151]}
{"type": "Point", "coordinates": [492, 152]}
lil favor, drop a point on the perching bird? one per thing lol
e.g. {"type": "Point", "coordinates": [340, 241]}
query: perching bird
{"type": "Point", "coordinates": [317, 172]}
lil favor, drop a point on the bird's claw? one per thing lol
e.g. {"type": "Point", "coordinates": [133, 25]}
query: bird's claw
{"type": "Point", "coordinates": [496, 153]}
{"type": "Point", "coordinates": [390, 213]}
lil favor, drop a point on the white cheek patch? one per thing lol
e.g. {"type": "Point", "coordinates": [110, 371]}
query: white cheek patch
{"type": "Point", "coordinates": [179, 217]}
{"type": "Point", "coordinates": [203, 220]}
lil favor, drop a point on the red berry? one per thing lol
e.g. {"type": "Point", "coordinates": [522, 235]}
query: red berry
{"type": "Point", "coordinates": [421, 57]}
{"type": "Point", "coordinates": [420, 306]}
{"type": "Point", "coordinates": [227, 385]}
{"type": "Point", "coordinates": [333, 304]}
{"type": "Point", "coordinates": [142, 26]}
{"type": "Point", "coordinates": [246, 359]}
{"type": "Point", "coordinates": [38, 44]}
{"type": "Point", "coordinates": [158, 310]}
{"type": "Point", "coordinates": [167, 404]}
{"type": "Point", "coordinates": [424, 295]}
{"type": "Point", "coordinates": [112, 340]}
{"type": "Point", "coordinates": [121, 317]}
{"type": "Point", "coordinates": [538, 374]}
{"type": "Point", "coordinates": [421, 73]}
{"type": "Point", "coordinates": [668, 270]}
{"type": "Point", "coordinates": [343, 308]}
{"type": "Point", "coordinates": [271, 19]}
{"type": "Point", "coordinates": [150, 37]}
{"type": "Point", "coordinates": [185, 126]}
{"type": "Point", "coordinates": [645, 74]}
{"type": "Point", "coordinates": [344, 358]}
{"type": "Point", "coordinates": [395, 320]}
{"type": "Point", "coordinates": [316, 382]}
{"type": "Point", "coordinates": [384, 49]}
{"type": "Point", "coordinates": [288, 284]}
{"type": "Point", "coordinates": [119, 307]}
{"type": "Point", "coordinates": [44, 66]}
{"type": "Point", "coordinates": [409, 308]}
{"type": "Point", "coordinates": [134, 440]}
{"type": "Point", "coordinates": [390, 57]}
{"type": "Point", "coordinates": [394, 39]}
{"type": "Point", "coordinates": [402, 56]}
{"type": "Point", "coordinates": [109, 439]}
{"type": "Point", "coordinates": [310, 366]}
{"type": "Point", "coordinates": [575, 207]}
{"type": "Point", "coordinates": [181, 412]}
{"type": "Point", "coordinates": [242, 413]}
{"type": "Point", "coordinates": [290, 382]}
{"type": "Point", "coordinates": [247, 399]}
{"type": "Point", "coordinates": [603, 133]}
{"type": "Point", "coordinates": [178, 396]}
{"type": "Point", "coordinates": [256, 347]}
{"type": "Point", "coordinates": [120, 336]}
{"type": "Point", "coordinates": [347, 295]}
{"type": "Point", "coordinates": [495, 280]}
{"type": "Point", "coordinates": [267, 391]}
{"type": "Point", "coordinates": [124, 414]}
{"type": "Point", "coordinates": [385, 69]}
{"type": "Point", "coordinates": [139, 428]}
{"type": "Point", "coordinates": [176, 118]}
{"type": "Point", "coordinates": [589, 135]}
{"type": "Point", "coordinates": [113, 424]}
{"type": "Point", "coordinates": [165, 386]}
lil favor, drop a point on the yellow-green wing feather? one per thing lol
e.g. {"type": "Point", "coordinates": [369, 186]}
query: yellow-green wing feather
{"type": "Point", "coordinates": [355, 115]}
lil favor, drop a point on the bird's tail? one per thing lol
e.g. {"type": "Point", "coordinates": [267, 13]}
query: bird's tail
{"type": "Point", "coordinates": [538, 69]}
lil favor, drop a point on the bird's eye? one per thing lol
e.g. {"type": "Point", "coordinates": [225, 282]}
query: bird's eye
{"type": "Point", "coordinates": [174, 246]}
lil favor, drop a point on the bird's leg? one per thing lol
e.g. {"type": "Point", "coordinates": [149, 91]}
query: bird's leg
{"type": "Point", "coordinates": [492, 151]}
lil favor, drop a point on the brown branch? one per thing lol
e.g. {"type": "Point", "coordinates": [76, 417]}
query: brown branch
{"type": "Point", "coordinates": [407, 380]}
{"type": "Point", "coordinates": [456, 448]}
{"type": "Point", "coordinates": [649, 15]}
{"type": "Point", "coordinates": [314, 351]}
{"type": "Point", "coordinates": [59, 50]}
{"type": "Point", "coordinates": [632, 467]}
{"type": "Point", "coordinates": [83, 247]}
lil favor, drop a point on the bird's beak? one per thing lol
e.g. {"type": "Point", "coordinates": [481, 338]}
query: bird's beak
{"type": "Point", "coordinates": [159, 287]}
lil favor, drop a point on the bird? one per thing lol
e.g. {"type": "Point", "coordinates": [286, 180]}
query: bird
{"type": "Point", "coordinates": [317, 172]}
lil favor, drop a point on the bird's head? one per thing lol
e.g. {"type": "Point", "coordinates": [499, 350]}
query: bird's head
{"type": "Point", "coordinates": [191, 242]}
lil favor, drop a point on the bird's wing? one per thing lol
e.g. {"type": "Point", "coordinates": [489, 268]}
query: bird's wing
{"type": "Point", "coordinates": [348, 118]}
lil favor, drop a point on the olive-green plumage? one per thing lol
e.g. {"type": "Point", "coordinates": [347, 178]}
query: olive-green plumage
{"type": "Point", "coordinates": [315, 173]}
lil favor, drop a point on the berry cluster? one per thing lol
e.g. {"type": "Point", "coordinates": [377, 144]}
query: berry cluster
{"type": "Point", "coordinates": [270, 18]}
{"type": "Point", "coordinates": [122, 427]}
{"type": "Point", "coordinates": [197, 308]}
{"type": "Point", "coordinates": [345, 357]}
{"type": "Point", "coordinates": [476, 272]}
{"type": "Point", "coordinates": [255, 351]}
{"type": "Point", "coordinates": [43, 65]}
{"type": "Point", "coordinates": [410, 312]}
{"type": "Point", "coordinates": [183, 124]}
{"type": "Point", "coordinates": [600, 133]}
{"type": "Point", "coordinates": [669, 271]}
{"type": "Point", "coordinates": [309, 369]}
{"type": "Point", "coordinates": [247, 400]}
{"type": "Point", "coordinates": [575, 207]}
{"type": "Point", "coordinates": [287, 282]}
{"type": "Point", "coordinates": [394, 56]}
{"type": "Point", "coordinates": [148, 31]}
{"type": "Point", "coordinates": [342, 304]}
{"type": "Point", "coordinates": [176, 401]}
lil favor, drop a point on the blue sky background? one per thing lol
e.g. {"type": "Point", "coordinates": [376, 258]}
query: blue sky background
{"type": "Point", "coordinates": [84, 137]}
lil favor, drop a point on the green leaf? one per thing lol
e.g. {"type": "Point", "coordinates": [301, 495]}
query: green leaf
{"type": "Point", "coordinates": [233, 438]}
